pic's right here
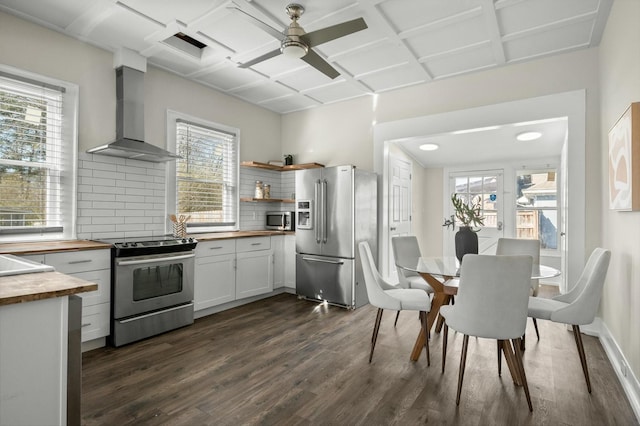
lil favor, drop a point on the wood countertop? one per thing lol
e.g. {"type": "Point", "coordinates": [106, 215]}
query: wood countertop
{"type": "Point", "coordinates": [51, 246]}
{"type": "Point", "coordinates": [40, 285]}
{"type": "Point", "coordinates": [75, 245]}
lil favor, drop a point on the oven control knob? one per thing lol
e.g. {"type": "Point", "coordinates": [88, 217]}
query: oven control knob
{"type": "Point", "coordinates": [125, 244]}
{"type": "Point", "coordinates": [134, 244]}
{"type": "Point", "coordinates": [190, 240]}
{"type": "Point", "coordinates": [184, 240]}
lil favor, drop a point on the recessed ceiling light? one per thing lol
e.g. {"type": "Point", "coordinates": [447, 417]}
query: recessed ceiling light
{"type": "Point", "coordinates": [528, 136]}
{"type": "Point", "coordinates": [429, 146]}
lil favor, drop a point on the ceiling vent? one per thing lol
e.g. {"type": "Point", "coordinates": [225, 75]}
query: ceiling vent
{"type": "Point", "coordinates": [186, 44]}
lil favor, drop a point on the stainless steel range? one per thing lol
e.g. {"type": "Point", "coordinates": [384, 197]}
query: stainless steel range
{"type": "Point", "coordinates": [151, 287]}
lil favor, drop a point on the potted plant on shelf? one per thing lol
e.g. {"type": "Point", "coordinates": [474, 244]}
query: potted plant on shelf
{"type": "Point", "coordinates": [468, 214]}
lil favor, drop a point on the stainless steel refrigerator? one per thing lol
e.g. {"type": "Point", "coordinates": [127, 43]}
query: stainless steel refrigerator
{"type": "Point", "coordinates": [336, 208]}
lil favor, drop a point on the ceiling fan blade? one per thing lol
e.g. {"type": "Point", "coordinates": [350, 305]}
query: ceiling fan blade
{"type": "Point", "coordinates": [313, 59]}
{"type": "Point", "coordinates": [315, 38]}
{"type": "Point", "coordinates": [262, 25]}
{"type": "Point", "coordinates": [264, 57]}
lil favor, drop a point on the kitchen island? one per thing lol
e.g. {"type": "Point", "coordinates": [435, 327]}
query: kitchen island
{"type": "Point", "coordinates": [34, 329]}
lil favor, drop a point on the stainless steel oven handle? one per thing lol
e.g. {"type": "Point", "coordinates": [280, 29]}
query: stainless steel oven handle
{"type": "Point", "coordinates": [155, 260]}
{"type": "Point", "coordinates": [124, 321]}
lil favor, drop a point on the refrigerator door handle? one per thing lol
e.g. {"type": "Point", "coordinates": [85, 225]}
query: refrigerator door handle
{"type": "Point", "coordinates": [324, 210]}
{"type": "Point", "coordinates": [335, 262]}
{"type": "Point", "coordinates": [317, 210]}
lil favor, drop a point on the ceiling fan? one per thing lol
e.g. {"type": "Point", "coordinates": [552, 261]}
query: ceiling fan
{"type": "Point", "coordinates": [297, 43]}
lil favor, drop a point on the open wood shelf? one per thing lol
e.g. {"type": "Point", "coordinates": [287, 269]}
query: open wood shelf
{"type": "Point", "coordinates": [267, 200]}
{"type": "Point", "coordinates": [290, 167]}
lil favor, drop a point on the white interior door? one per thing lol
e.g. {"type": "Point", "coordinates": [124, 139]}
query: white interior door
{"type": "Point", "coordinates": [487, 187]}
{"type": "Point", "coordinates": [399, 205]}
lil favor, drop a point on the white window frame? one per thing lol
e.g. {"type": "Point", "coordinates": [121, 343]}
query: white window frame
{"type": "Point", "coordinates": [68, 160]}
{"type": "Point", "coordinates": [171, 192]}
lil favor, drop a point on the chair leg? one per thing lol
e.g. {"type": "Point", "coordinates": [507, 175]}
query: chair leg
{"type": "Point", "coordinates": [463, 362]}
{"type": "Point", "coordinates": [445, 335]}
{"type": "Point", "coordinates": [535, 325]}
{"type": "Point", "coordinates": [583, 357]}
{"type": "Point", "coordinates": [376, 328]}
{"type": "Point", "coordinates": [396, 321]}
{"type": "Point", "coordinates": [423, 323]}
{"type": "Point", "coordinates": [521, 373]}
{"type": "Point", "coordinates": [499, 358]}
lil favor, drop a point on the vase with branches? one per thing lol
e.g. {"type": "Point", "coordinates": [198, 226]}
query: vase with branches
{"type": "Point", "coordinates": [468, 215]}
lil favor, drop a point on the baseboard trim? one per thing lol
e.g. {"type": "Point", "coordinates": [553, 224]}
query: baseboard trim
{"type": "Point", "coordinates": [627, 379]}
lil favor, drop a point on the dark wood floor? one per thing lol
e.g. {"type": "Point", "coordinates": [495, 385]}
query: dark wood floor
{"type": "Point", "coordinates": [287, 361]}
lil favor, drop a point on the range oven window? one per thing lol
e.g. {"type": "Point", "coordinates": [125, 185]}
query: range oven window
{"type": "Point", "coordinates": [157, 281]}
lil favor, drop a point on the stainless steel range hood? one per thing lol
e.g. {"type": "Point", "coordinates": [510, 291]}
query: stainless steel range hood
{"type": "Point", "coordinates": [129, 141]}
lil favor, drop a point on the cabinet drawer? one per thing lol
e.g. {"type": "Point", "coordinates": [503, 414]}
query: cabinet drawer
{"type": "Point", "coordinates": [103, 293]}
{"type": "Point", "coordinates": [253, 244]}
{"type": "Point", "coordinates": [214, 248]}
{"type": "Point", "coordinates": [95, 321]}
{"type": "Point", "coordinates": [79, 261]}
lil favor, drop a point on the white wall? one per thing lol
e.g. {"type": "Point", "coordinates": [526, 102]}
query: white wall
{"type": "Point", "coordinates": [620, 86]}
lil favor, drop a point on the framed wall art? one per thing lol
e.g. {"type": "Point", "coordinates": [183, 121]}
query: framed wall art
{"type": "Point", "coordinates": [624, 161]}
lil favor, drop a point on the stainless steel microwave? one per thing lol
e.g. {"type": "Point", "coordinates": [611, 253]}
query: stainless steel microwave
{"type": "Point", "coordinates": [281, 221]}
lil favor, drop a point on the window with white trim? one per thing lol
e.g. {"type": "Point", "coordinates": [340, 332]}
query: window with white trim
{"type": "Point", "coordinates": [37, 156]}
{"type": "Point", "coordinates": [203, 183]}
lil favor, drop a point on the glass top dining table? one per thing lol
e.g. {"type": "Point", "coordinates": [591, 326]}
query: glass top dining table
{"type": "Point", "coordinates": [442, 273]}
{"type": "Point", "coordinates": [449, 267]}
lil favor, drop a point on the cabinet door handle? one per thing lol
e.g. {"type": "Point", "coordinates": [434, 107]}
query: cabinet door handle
{"type": "Point", "coordinates": [74, 262]}
{"type": "Point", "coordinates": [87, 324]}
{"type": "Point", "coordinates": [256, 244]}
{"type": "Point", "coordinates": [215, 248]}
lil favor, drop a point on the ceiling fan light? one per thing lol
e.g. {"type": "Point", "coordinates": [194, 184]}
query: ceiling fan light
{"type": "Point", "coordinates": [293, 49]}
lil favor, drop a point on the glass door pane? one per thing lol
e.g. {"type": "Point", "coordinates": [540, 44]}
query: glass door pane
{"type": "Point", "coordinates": [537, 207]}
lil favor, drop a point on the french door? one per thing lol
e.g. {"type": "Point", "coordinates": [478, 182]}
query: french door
{"type": "Point", "coordinates": [485, 187]}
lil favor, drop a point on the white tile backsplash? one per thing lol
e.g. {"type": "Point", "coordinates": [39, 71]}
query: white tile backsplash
{"type": "Point", "coordinates": [120, 198]}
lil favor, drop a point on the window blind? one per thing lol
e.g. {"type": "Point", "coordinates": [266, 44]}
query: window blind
{"type": "Point", "coordinates": [206, 175]}
{"type": "Point", "coordinates": [31, 151]}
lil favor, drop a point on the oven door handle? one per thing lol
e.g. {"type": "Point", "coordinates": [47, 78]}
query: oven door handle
{"type": "Point", "coordinates": [155, 260]}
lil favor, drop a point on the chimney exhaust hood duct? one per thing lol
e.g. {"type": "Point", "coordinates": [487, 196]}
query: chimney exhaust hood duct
{"type": "Point", "coordinates": [129, 141]}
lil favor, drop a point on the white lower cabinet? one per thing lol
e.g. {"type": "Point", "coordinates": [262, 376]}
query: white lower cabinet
{"type": "Point", "coordinates": [215, 274]}
{"type": "Point", "coordinates": [254, 275]}
{"type": "Point", "coordinates": [89, 265]}
{"type": "Point", "coordinates": [227, 270]}
{"type": "Point", "coordinates": [254, 266]}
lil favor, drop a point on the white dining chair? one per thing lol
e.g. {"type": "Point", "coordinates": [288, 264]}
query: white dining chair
{"type": "Point", "coordinates": [406, 250]}
{"type": "Point", "coordinates": [578, 306]}
{"type": "Point", "coordinates": [491, 303]}
{"type": "Point", "coordinates": [513, 246]}
{"type": "Point", "coordinates": [383, 295]}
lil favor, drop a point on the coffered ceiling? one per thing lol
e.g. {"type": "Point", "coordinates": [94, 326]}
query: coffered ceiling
{"type": "Point", "coordinates": [407, 42]}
